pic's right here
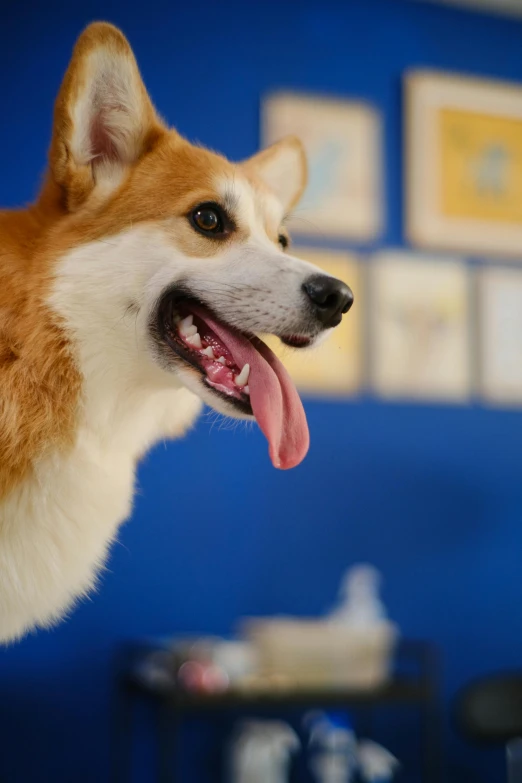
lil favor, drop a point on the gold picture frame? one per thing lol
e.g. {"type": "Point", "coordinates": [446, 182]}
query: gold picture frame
{"type": "Point", "coordinates": [463, 164]}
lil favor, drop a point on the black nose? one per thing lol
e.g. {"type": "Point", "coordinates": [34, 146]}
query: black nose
{"type": "Point", "coordinates": [331, 298]}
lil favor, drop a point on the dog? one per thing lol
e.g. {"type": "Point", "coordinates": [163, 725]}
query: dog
{"type": "Point", "coordinates": [131, 292]}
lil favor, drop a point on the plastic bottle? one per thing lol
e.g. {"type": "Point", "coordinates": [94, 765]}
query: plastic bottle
{"type": "Point", "coordinates": [360, 605]}
{"type": "Point", "coordinates": [377, 765]}
{"type": "Point", "coordinates": [332, 749]}
{"type": "Point", "coordinates": [261, 752]}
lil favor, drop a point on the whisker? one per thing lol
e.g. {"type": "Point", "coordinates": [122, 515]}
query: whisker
{"type": "Point", "coordinates": [106, 242]}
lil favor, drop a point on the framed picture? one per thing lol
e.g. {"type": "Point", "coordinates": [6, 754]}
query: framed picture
{"type": "Point", "coordinates": [343, 144]}
{"type": "Point", "coordinates": [500, 364]}
{"type": "Point", "coordinates": [335, 366]}
{"type": "Point", "coordinates": [464, 164]}
{"type": "Point", "coordinates": [420, 327]}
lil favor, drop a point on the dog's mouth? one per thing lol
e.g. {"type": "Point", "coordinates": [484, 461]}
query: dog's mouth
{"type": "Point", "coordinates": [239, 369]}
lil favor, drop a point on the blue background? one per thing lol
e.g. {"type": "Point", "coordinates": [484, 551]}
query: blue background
{"type": "Point", "coordinates": [432, 495]}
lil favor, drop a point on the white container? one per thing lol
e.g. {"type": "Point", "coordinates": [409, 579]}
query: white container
{"type": "Point", "coordinates": [261, 752]}
{"type": "Point", "coordinates": [319, 653]}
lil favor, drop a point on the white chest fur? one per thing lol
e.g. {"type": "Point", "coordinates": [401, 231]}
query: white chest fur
{"type": "Point", "coordinates": [57, 526]}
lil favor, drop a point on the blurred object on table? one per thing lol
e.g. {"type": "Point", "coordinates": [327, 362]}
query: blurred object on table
{"type": "Point", "coordinates": [209, 665]}
{"type": "Point", "coordinates": [352, 647]}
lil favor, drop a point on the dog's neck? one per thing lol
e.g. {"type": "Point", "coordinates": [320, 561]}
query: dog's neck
{"type": "Point", "coordinates": [72, 429]}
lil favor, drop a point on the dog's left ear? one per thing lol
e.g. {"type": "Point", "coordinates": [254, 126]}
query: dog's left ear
{"type": "Point", "coordinates": [104, 119]}
{"type": "Point", "coordinates": [282, 167]}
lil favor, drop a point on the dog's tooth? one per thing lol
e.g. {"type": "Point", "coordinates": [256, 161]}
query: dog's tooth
{"type": "Point", "coordinates": [247, 389]}
{"type": "Point", "coordinates": [242, 378]}
{"type": "Point", "coordinates": [222, 360]}
{"type": "Point", "coordinates": [209, 352]}
{"type": "Point", "coordinates": [194, 340]}
{"type": "Point", "coordinates": [189, 331]}
{"type": "Point", "coordinates": [185, 323]}
{"type": "Point", "coordinates": [186, 327]}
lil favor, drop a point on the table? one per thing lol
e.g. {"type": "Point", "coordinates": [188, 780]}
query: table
{"type": "Point", "coordinates": [415, 684]}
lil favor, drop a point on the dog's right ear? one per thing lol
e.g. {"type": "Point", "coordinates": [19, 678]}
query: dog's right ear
{"type": "Point", "coordinates": [104, 119]}
{"type": "Point", "coordinates": [283, 168]}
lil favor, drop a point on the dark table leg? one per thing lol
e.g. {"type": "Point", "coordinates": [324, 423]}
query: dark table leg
{"type": "Point", "coordinates": [431, 739]}
{"type": "Point", "coordinates": [121, 740]}
{"type": "Point", "coordinates": [167, 735]}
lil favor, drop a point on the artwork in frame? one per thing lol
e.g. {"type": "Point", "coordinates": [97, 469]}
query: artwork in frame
{"type": "Point", "coordinates": [463, 164]}
{"type": "Point", "coordinates": [500, 314]}
{"type": "Point", "coordinates": [420, 330]}
{"type": "Point", "coordinates": [343, 142]}
{"type": "Point", "coordinates": [334, 367]}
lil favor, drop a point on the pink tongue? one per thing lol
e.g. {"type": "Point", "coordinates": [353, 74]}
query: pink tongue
{"type": "Point", "coordinates": [273, 396]}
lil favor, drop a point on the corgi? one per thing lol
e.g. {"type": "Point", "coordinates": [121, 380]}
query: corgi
{"type": "Point", "coordinates": [131, 292]}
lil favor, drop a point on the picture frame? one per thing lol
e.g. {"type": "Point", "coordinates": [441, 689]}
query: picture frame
{"type": "Point", "coordinates": [463, 164]}
{"type": "Point", "coordinates": [499, 293]}
{"type": "Point", "coordinates": [420, 327]}
{"type": "Point", "coordinates": [343, 142]}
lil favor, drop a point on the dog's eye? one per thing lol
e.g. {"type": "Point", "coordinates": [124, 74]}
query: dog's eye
{"type": "Point", "coordinates": [208, 219]}
{"type": "Point", "coordinates": [283, 241]}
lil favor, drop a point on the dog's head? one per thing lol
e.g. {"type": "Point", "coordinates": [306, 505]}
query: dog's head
{"type": "Point", "coordinates": [176, 258]}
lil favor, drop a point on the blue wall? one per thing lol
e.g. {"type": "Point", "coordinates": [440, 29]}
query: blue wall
{"type": "Point", "coordinates": [431, 495]}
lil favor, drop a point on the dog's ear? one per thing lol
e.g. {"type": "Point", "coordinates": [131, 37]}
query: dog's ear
{"type": "Point", "coordinates": [282, 167]}
{"type": "Point", "coordinates": [104, 119]}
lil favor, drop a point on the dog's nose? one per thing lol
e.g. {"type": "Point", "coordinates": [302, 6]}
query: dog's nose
{"type": "Point", "coordinates": [331, 298]}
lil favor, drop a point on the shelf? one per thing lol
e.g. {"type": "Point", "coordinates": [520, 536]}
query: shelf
{"type": "Point", "coordinates": [143, 673]}
{"type": "Point", "coordinates": [395, 692]}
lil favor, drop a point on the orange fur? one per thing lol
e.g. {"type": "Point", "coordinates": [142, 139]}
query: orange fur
{"type": "Point", "coordinates": [40, 387]}
{"type": "Point", "coordinates": [38, 383]}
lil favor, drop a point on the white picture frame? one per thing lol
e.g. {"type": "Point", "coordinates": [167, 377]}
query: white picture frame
{"type": "Point", "coordinates": [420, 327]}
{"type": "Point", "coordinates": [500, 318]}
{"type": "Point", "coordinates": [343, 142]}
